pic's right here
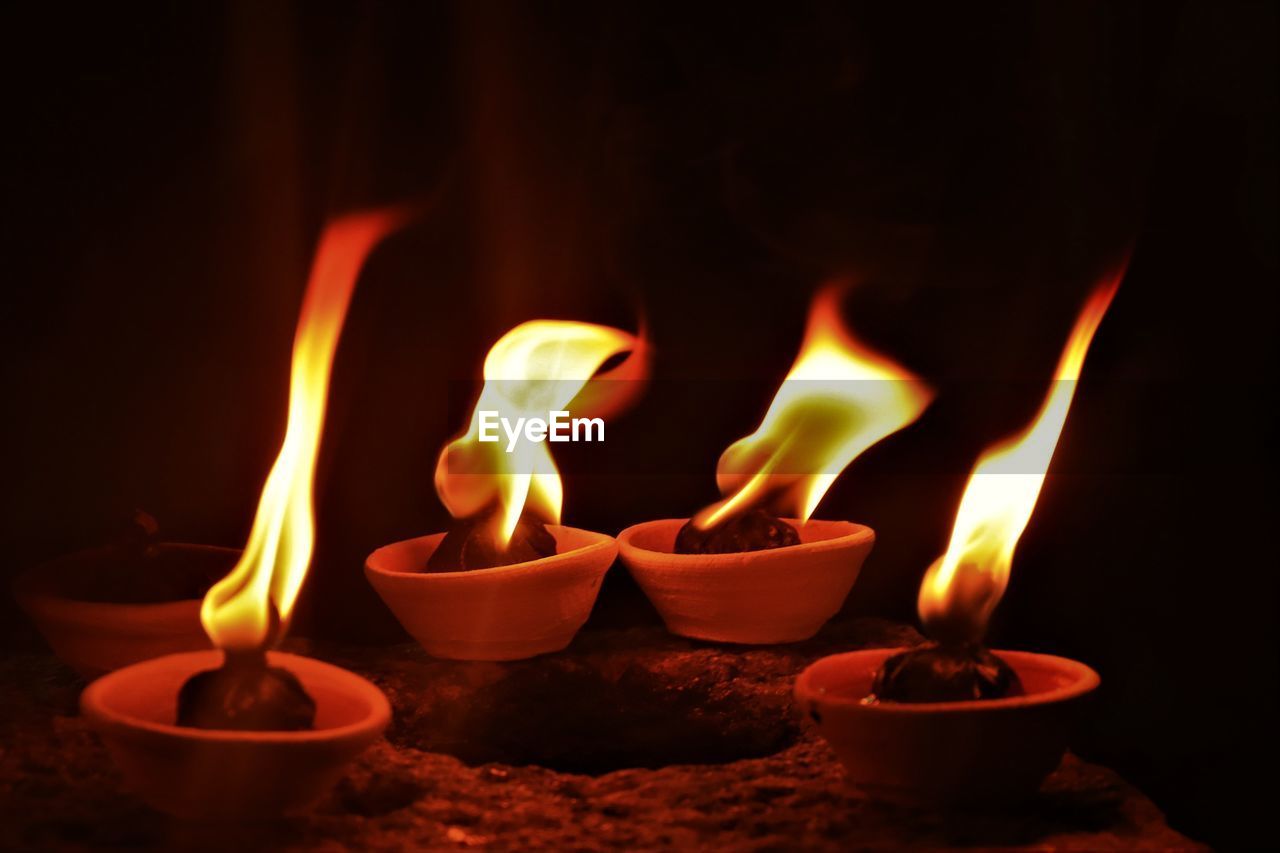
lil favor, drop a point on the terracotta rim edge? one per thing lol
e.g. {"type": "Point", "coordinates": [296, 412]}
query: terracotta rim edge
{"type": "Point", "coordinates": [604, 542]}
{"type": "Point", "coordinates": [861, 534]}
{"type": "Point", "coordinates": [1085, 680]}
{"type": "Point", "coordinates": [377, 717]}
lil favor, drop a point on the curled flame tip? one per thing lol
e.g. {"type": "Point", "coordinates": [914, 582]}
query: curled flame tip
{"type": "Point", "coordinates": [536, 368]}
{"type": "Point", "coordinates": [839, 398]}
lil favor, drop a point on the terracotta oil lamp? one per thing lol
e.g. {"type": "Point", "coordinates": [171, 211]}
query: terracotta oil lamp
{"type": "Point", "coordinates": [507, 581]}
{"type": "Point", "coordinates": [756, 567]}
{"type": "Point", "coordinates": [242, 731]}
{"type": "Point", "coordinates": [107, 607]}
{"type": "Point", "coordinates": [952, 722]}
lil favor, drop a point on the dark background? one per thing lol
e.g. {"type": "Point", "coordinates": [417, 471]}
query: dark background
{"type": "Point", "coordinates": [974, 166]}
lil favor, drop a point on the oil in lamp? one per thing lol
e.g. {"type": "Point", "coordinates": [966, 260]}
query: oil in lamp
{"type": "Point", "coordinates": [755, 567]}
{"type": "Point", "coordinates": [507, 580]}
{"type": "Point", "coordinates": [243, 731]}
{"type": "Point", "coordinates": [952, 721]}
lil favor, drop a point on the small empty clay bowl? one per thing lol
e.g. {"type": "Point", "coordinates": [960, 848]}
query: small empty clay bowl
{"type": "Point", "coordinates": [781, 595]}
{"type": "Point", "coordinates": [106, 608]}
{"type": "Point", "coordinates": [503, 613]}
{"type": "Point", "coordinates": [203, 773]}
{"type": "Point", "coordinates": [987, 752]}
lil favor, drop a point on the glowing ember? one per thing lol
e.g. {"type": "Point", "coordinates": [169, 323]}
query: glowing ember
{"type": "Point", "coordinates": [538, 367]}
{"type": "Point", "coordinates": [840, 398]}
{"type": "Point", "coordinates": [249, 609]}
{"type": "Point", "coordinates": [962, 588]}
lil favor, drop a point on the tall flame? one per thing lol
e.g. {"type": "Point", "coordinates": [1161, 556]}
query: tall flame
{"type": "Point", "coordinates": [536, 368]}
{"type": "Point", "coordinates": [965, 584]}
{"type": "Point", "coordinates": [237, 612]}
{"type": "Point", "coordinates": [840, 398]}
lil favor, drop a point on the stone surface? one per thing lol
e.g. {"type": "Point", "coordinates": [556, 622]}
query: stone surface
{"type": "Point", "coordinates": [672, 743]}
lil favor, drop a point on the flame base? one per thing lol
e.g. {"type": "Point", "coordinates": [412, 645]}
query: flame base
{"type": "Point", "coordinates": [943, 673]}
{"type": "Point", "coordinates": [469, 545]}
{"type": "Point", "coordinates": [754, 530]}
{"type": "Point", "coordinates": [246, 694]}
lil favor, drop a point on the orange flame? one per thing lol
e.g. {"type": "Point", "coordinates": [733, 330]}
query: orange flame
{"type": "Point", "coordinates": [965, 584]}
{"type": "Point", "coordinates": [537, 368]}
{"type": "Point", "coordinates": [237, 612]}
{"type": "Point", "coordinates": [840, 398]}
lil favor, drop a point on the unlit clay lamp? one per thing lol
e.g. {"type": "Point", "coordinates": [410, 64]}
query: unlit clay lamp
{"type": "Point", "coordinates": [736, 572]}
{"type": "Point", "coordinates": [951, 722]}
{"type": "Point", "coordinates": [240, 731]}
{"type": "Point", "coordinates": [108, 607]}
{"type": "Point", "coordinates": [503, 584]}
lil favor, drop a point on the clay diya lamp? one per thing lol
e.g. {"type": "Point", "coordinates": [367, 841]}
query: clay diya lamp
{"type": "Point", "coordinates": [243, 732]}
{"type": "Point", "coordinates": [961, 752]}
{"type": "Point", "coordinates": [951, 722]}
{"type": "Point", "coordinates": [755, 568]}
{"type": "Point", "coordinates": [104, 608]}
{"type": "Point", "coordinates": [500, 613]}
{"type": "Point", "coordinates": [777, 595]}
{"type": "Point", "coordinates": [195, 772]}
{"type": "Point", "coordinates": [506, 582]}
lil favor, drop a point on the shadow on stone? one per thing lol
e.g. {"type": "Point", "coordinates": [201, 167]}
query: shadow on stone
{"type": "Point", "coordinates": [574, 717]}
{"type": "Point", "coordinates": [615, 699]}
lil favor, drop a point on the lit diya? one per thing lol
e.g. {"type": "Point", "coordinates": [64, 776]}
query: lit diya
{"type": "Point", "coordinates": [507, 580]}
{"type": "Point", "coordinates": [952, 721]}
{"type": "Point", "coordinates": [755, 567]}
{"type": "Point", "coordinates": [241, 730]}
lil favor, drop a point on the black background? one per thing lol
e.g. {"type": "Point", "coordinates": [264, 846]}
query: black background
{"type": "Point", "coordinates": [974, 166]}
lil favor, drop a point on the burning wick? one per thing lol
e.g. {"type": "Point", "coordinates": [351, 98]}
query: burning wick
{"type": "Point", "coordinates": [246, 694]}
{"type": "Point", "coordinates": [248, 611]}
{"type": "Point", "coordinates": [503, 497]}
{"type": "Point", "coordinates": [938, 672]}
{"type": "Point", "coordinates": [469, 544]}
{"type": "Point", "coordinates": [839, 398]}
{"type": "Point", "coordinates": [757, 529]}
{"type": "Point", "coordinates": [963, 587]}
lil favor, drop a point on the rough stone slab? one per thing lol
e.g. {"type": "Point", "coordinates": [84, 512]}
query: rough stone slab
{"type": "Point", "coordinates": [636, 699]}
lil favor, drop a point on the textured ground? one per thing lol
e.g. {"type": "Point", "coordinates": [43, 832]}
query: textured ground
{"type": "Point", "coordinates": [632, 739]}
